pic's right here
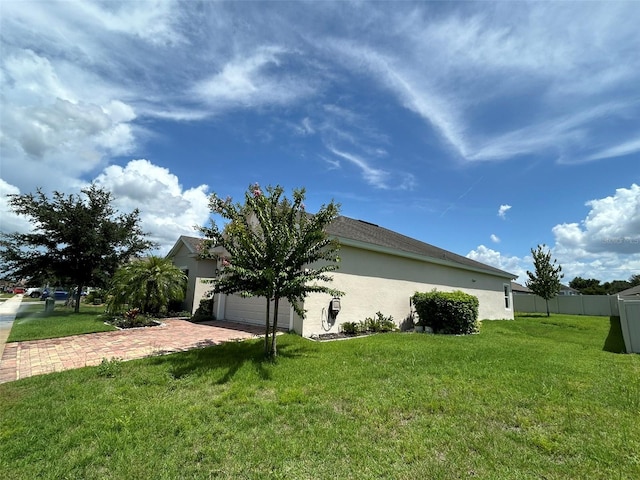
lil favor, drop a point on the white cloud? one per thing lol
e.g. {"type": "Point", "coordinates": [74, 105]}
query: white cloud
{"type": "Point", "coordinates": [502, 211]}
{"type": "Point", "coordinates": [513, 264]}
{"type": "Point", "coordinates": [612, 225]}
{"type": "Point", "coordinates": [49, 125]}
{"type": "Point", "coordinates": [10, 221]}
{"type": "Point", "coordinates": [166, 209]}
{"type": "Point", "coordinates": [606, 244]}
{"type": "Point", "coordinates": [495, 238]}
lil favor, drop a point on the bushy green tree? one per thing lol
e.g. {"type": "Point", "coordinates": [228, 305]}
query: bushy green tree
{"type": "Point", "coordinates": [545, 281]}
{"type": "Point", "coordinates": [148, 284]}
{"type": "Point", "coordinates": [592, 286]}
{"type": "Point", "coordinates": [77, 240]}
{"type": "Point", "coordinates": [272, 249]}
{"type": "Point", "coordinates": [587, 286]}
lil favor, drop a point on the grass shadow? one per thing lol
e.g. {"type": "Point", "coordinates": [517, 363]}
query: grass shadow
{"type": "Point", "coordinates": [531, 315]}
{"type": "Point", "coordinates": [614, 342]}
{"type": "Point", "coordinates": [228, 358]}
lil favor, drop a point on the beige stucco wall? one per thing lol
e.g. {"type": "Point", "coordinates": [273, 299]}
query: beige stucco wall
{"type": "Point", "coordinates": [198, 269]}
{"type": "Point", "coordinates": [375, 281]}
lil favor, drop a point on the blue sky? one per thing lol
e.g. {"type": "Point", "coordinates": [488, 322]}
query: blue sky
{"type": "Point", "coordinates": [483, 128]}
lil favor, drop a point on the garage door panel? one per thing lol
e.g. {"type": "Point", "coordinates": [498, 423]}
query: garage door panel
{"type": "Point", "coordinates": [252, 310]}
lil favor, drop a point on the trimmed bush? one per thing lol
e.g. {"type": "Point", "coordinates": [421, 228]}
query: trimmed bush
{"type": "Point", "coordinates": [204, 311]}
{"type": "Point", "coordinates": [447, 312]}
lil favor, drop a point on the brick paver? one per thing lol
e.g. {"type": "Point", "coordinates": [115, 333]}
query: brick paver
{"type": "Point", "coordinates": [36, 357]}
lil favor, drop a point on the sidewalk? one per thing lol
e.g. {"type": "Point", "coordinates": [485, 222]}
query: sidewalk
{"type": "Point", "coordinates": [36, 357]}
{"type": "Point", "coordinates": [8, 310]}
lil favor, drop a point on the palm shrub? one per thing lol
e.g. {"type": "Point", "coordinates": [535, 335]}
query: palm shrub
{"type": "Point", "coordinates": [148, 284]}
{"type": "Point", "coordinates": [447, 312]}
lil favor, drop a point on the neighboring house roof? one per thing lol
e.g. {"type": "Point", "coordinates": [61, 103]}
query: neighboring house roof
{"type": "Point", "coordinates": [364, 234]}
{"type": "Point", "coordinates": [630, 291]}
{"type": "Point", "coordinates": [190, 242]}
{"type": "Point", "coordinates": [568, 289]}
{"type": "Point", "coordinates": [517, 288]}
{"type": "Point", "coordinates": [359, 233]}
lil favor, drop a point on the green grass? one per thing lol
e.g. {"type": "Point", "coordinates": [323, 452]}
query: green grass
{"type": "Point", "coordinates": [528, 399]}
{"type": "Point", "coordinates": [32, 323]}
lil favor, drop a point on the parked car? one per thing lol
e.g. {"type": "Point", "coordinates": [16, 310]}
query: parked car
{"type": "Point", "coordinates": [17, 290]}
{"type": "Point", "coordinates": [34, 292]}
{"type": "Point", "coordinates": [57, 294]}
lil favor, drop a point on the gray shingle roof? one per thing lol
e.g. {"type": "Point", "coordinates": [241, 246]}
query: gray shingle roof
{"type": "Point", "coordinates": [361, 231]}
{"type": "Point", "coordinates": [191, 242]}
{"type": "Point", "coordinates": [630, 291]}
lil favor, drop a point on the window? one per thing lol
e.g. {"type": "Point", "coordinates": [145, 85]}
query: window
{"type": "Point", "coordinates": [507, 296]}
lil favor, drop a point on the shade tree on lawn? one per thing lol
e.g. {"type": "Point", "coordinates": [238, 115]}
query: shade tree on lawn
{"type": "Point", "coordinates": [272, 248]}
{"type": "Point", "coordinates": [79, 240]}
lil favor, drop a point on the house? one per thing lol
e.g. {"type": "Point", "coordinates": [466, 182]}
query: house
{"type": "Point", "coordinates": [379, 271]}
{"type": "Point", "coordinates": [630, 292]}
{"type": "Point", "coordinates": [519, 289]}
{"type": "Point", "coordinates": [565, 290]}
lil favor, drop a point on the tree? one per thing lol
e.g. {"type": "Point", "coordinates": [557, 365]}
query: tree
{"type": "Point", "coordinates": [634, 280]}
{"type": "Point", "coordinates": [78, 241]}
{"type": "Point", "coordinates": [587, 286]}
{"type": "Point", "coordinates": [148, 284]}
{"type": "Point", "coordinates": [272, 249]}
{"type": "Point", "coordinates": [592, 286]}
{"type": "Point", "coordinates": [545, 281]}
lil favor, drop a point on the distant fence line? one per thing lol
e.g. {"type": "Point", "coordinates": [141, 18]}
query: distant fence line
{"type": "Point", "coordinates": [605, 305]}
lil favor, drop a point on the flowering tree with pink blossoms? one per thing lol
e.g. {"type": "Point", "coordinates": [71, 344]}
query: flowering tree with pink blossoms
{"type": "Point", "coordinates": [273, 249]}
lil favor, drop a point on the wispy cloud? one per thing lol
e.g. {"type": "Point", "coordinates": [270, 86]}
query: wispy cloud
{"type": "Point", "coordinates": [374, 176]}
{"type": "Point", "coordinates": [254, 80]}
{"type": "Point", "coordinates": [626, 148]}
{"type": "Point", "coordinates": [495, 238]}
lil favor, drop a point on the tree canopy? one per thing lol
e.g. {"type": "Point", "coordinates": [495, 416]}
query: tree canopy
{"type": "Point", "coordinates": [592, 286]}
{"type": "Point", "coordinates": [77, 240]}
{"type": "Point", "coordinates": [545, 281]}
{"type": "Point", "coordinates": [272, 249]}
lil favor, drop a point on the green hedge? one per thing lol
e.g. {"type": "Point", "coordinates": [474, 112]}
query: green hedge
{"type": "Point", "coordinates": [447, 312]}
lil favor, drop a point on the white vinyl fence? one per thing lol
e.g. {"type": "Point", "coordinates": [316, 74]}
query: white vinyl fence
{"type": "Point", "coordinates": [605, 305]}
{"type": "Point", "coordinates": [630, 322]}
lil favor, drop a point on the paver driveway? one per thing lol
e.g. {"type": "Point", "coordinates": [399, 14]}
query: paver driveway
{"type": "Point", "coordinates": [35, 357]}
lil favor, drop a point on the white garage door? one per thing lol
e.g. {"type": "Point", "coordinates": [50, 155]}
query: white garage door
{"type": "Point", "coordinates": [252, 310]}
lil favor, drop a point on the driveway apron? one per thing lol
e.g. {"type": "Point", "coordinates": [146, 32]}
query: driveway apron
{"type": "Point", "coordinates": [36, 357]}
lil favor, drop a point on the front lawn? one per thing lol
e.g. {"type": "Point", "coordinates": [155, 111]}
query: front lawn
{"type": "Point", "coordinates": [32, 323]}
{"type": "Point", "coordinates": [528, 399]}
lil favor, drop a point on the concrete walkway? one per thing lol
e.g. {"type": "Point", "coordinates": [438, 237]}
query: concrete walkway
{"type": "Point", "coordinates": [8, 310]}
{"type": "Point", "coordinates": [36, 357]}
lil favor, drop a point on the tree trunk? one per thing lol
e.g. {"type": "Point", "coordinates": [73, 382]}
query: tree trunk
{"type": "Point", "coordinates": [273, 352]}
{"type": "Point", "coordinates": [266, 328]}
{"type": "Point", "coordinates": [76, 307]}
{"type": "Point", "coordinates": [547, 307]}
